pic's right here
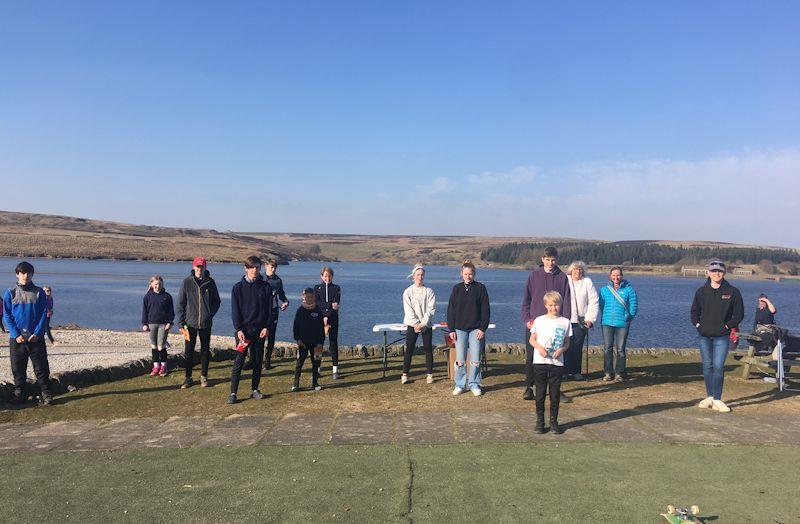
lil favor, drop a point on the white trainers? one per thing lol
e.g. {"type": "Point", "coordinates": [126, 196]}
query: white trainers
{"type": "Point", "coordinates": [706, 403]}
{"type": "Point", "coordinates": [721, 406]}
{"type": "Point", "coordinates": [429, 379]}
{"type": "Point", "coordinates": [771, 380]}
{"type": "Point", "coordinates": [403, 378]}
{"type": "Point", "coordinates": [477, 391]}
{"type": "Point", "coordinates": [457, 391]}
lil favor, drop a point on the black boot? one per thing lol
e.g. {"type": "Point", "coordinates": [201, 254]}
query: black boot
{"type": "Point", "coordinates": [539, 427]}
{"type": "Point", "coordinates": [528, 395]}
{"type": "Point", "coordinates": [554, 427]}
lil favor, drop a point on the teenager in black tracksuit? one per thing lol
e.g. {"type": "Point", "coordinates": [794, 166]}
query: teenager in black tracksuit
{"type": "Point", "coordinates": [198, 302]}
{"type": "Point", "coordinates": [250, 312]}
{"type": "Point", "coordinates": [328, 296]}
{"type": "Point", "coordinates": [309, 333]}
{"type": "Point", "coordinates": [279, 303]}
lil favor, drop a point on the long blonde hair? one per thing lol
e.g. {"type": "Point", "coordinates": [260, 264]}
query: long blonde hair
{"type": "Point", "coordinates": [158, 278]}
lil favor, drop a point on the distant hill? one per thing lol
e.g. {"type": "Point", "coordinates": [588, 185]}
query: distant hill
{"type": "Point", "coordinates": [55, 236]}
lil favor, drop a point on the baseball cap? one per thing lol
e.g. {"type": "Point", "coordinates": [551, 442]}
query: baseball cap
{"type": "Point", "coordinates": [199, 261]}
{"type": "Point", "coordinates": [716, 265]}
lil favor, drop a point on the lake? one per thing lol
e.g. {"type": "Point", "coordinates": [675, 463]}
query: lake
{"type": "Point", "coordinates": [108, 295]}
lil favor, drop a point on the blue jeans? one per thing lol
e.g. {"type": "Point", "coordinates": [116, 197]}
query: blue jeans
{"type": "Point", "coordinates": [468, 340]}
{"type": "Point", "coordinates": [713, 351]}
{"type": "Point", "coordinates": [615, 339]}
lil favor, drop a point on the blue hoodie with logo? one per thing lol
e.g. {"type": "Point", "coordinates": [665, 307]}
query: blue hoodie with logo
{"type": "Point", "coordinates": [25, 309]}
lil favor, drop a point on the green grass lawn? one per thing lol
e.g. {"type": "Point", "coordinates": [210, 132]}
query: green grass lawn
{"type": "Point", "coordinates": [478, 483]}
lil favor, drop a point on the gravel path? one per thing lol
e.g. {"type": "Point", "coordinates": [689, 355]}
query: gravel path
{"type": "Point", "coordinates": [77, 349]}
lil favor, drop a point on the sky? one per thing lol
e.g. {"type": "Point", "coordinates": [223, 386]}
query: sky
{"type": "Point", "coordinates": [605, 120]}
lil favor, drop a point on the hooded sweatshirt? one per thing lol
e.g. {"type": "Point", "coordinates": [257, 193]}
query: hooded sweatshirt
{"type": "Point", "coordinates": [157, 308]}
{"type": "Point", "coordinates": [198, 301]}
{"type": "Point", "coordinates": [308, 326]}
{"type": "Point", "coordinates": [25, 309]}
{"type": "Point", "coordinates": [539, 283]}
{"type": "Point", "coordinates": [715, 311]}
{"type": "Point", "coordinates": [250, 304]}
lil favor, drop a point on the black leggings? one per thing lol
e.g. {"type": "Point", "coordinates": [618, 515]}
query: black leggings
{"type": "Point", "coordinates": [273, 327]}
{"type": "Point", "coordinates": [547, 376]}
{"type": "Point", "coordinates": [302, 354]}
{"type": "Point", "coordinates": [411, 342]}
{"type": "Point", "coordinates": [205, 350]}
{"type": "Point", "coordinates": [159, 355]}
{"type": "Point", "coordinates": [333, 338]}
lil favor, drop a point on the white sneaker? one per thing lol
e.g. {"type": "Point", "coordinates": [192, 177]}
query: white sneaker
{"type": "Point", "coordinates": [477, 391]}
{"type": "Point", "coordinates": [721, 407]}
{"type": "Point", "coordinates": [403, 378]}
{"type": "Point", "coordinates": [256, 394]}
{"type": "Point", "coordinates": [771, 380]}
{"type": "Point", "coordinates": [457, 391]}
{"type": "Point", "coordinates": [706, 403]}
{"type": "Point", "coordinates": [429, 379]}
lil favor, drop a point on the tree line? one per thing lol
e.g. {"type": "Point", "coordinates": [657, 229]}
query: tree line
{"type": "Point", "coordinates": [634, 253]}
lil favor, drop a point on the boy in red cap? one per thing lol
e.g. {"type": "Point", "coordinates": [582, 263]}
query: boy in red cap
{"type": "Point", "coordinates": [198, 302]}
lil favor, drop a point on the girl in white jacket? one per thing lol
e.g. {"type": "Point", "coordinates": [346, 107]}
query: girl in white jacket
{"type": "Point", "coordinates": [585, 307]}
{"type": "Point", "coordinates": [419, 306]}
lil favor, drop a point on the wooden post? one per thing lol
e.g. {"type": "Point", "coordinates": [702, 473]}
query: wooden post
{"type": "Point", "coordinates": [751, 351]}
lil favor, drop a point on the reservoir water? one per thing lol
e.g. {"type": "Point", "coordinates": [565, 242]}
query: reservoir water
{"type": "Point", "coordinates": [108, 295]}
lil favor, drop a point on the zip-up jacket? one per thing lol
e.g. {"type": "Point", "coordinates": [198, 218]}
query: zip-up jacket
{"type": "Point", "coordinates": [614, 313]}
{"type": "Point", "coordinates": [250, 304]}
{"type": "Point", "coordinates": [25, 309]}
{"type": "Point", "coordinates": [276, 284]}
{"type": "Point", "coordinates": [198, 302]}
{"type": "Point", "coordinates": [717, 310]}
{"type": "Point", "coordinates": [468, 308]}
{"type": "Point", "coordinates": [157, 308]}
{"type": "Point", "coordinates": [540, 282]}
{"type": "Point", "coordinates": [308, 327]}
{"type": "Point", "coordinates": [326, 295]}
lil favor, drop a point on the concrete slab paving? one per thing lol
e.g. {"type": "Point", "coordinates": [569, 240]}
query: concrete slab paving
{"type": "Point", "coordinates": [309, 428]}
{"type": "Point", "coordinates": [424, 428]}
{"type": "Point", "coordinates": [681, 426]}
{"type": "Point", "coordinates": [175, 432]}
{"type": "Point", "coordinates": [115, 434]}
{"type": "Point", "coordinates": [363, 428]}
{"type": "Point", "coordinates": [527, 420]}
{"type": "Point", "coordinates": [615, 426]}
{"type": "Point", "coordinates": [64, 428]}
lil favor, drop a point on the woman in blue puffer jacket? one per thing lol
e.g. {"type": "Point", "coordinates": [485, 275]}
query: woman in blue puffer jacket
{"type": "Point", "coordinates": [619, 304]}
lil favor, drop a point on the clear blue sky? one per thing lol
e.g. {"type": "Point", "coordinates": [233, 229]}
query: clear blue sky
{"type": "Point", "coordinates": [614, 120]}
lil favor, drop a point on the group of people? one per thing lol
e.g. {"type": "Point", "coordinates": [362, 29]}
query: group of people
{"type": "Point", "coordinates": [558, 309]}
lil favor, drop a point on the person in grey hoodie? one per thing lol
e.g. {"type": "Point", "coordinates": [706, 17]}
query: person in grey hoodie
{"type": "Point", "coordinates": [198, 302]}
{"type": "Point", "coordinates": [547, 277]}
{"type": "Point", "coordinates": [419, 306]}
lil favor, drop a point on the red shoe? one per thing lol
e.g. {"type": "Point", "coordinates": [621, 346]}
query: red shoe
{"type": "Point", "coordinates": [163, 372]}
{"type": "Point", "coordinates": [156, 369]}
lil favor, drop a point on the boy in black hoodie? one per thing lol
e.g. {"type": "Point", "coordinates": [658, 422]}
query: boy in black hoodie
{"type": "Point", "coordinates": [250, 312]}
{"type": "Point", "coordinates": [309, 332]}
{"type": "Point", "coordinates": [717, 308]}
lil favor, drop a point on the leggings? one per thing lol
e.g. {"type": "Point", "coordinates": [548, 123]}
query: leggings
{"type": "Point", "coordinates": [333, 338]}
{"type": "Point", "coordinates": [205, 351]}
{"type": "Point", "coordinates": [302, 354]}
{"type": "Point", "coordinates": [411, 342]}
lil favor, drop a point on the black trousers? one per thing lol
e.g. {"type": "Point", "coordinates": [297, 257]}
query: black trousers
{"type": "Point", "coordinates": [256, 351]}
{"type": "Point", "coordinates": [333, 338]}
{"type": "Point", "coordinates": [302, 354]}
{"type": "Point", "coordinates": [528, 359]}
{"type": "Point", "coordinates": [205, 350]}
{"type": "Point", "coordinates": [273, 327]}
{"type": "Point", "coordinates": [411, 343]}
{"type": "Point", "coordinates": [572, 357]}
{"type": "Point", "coordinates": [37, 353]}
{"type": "Point", "coordinates": [548, 377]}
{"type": "Point", "coordinates": [47, 330]}
{"type": "Point", "coordinates": [159, 355]}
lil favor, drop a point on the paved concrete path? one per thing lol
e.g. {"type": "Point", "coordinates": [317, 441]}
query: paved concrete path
{"type": "Point", "coordinates": [682, 425]}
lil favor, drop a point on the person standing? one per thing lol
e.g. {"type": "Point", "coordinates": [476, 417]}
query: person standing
{"type": "Point", "coordinates": [717, 308]}
{"type": "Point", "coordinates": [547, 277]}
{"type": "Point", "coordinates": [158, 315]}
{"type": "Point", "coordinates": [765, 314]}
{"type": "Point", "coordinates": [585, 306]}
{"type": "Point", "coordinates": [25, 314]}
{"type": "Point", "coordinates": [48, 292]}
{"type": "Point", "coordinates": [419, 306]}
{"type": "Point", "coordinates": [198, 302]}
{"type": "Point", "coordinates": [619, 305]}
{"type": "Point", "coordinates": [468, 319]}
{"type": "Point", "coordinates": [250, 312]}
{"type": "Point", "coordinates": [278, 302]}
{"type": "Point", "coordinates": [309, 334]}
{"type": "Point", "coordinates": [328, 296]}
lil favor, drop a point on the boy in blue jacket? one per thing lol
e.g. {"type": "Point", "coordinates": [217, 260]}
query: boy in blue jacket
{"type": "Point", "coordinates": [25, 314]}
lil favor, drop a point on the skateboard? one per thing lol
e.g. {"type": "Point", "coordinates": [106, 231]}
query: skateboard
{"type": "Point", "coordinates": [682, 515]}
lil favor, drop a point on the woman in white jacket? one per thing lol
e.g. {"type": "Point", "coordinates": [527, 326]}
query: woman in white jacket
{"type": "Point", "coordinates": [419, 305]}
{"type": "Point", "coordinates": [585, 306]}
